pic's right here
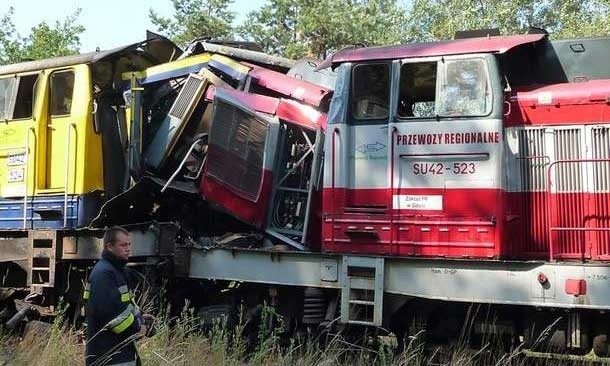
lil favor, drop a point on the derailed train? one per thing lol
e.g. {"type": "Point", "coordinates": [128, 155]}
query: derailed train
{"type": "Point", "coordinates": [386, 186]}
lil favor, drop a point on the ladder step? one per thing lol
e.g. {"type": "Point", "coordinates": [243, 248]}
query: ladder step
{"type": "Point", "coordinates": [362, 302]}
{"type": "Point", "coordinates": [360, 283]}
{"type": "Point", "coordinates": [360, 322]}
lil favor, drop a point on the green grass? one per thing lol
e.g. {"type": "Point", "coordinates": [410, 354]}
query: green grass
{"type": "Point", "coordinates": [186, 343]}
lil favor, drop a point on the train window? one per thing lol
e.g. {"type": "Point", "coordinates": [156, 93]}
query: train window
{"type": "Point", "coordinates": [25, 96]}
{"type": "Point", "coordinates": [62, 86]}
{"type": "Point", "coordinates": [7, 97]}
{"type": "Point", "coordinates": [464, 89]}
{"type": "Point", "coordinates": [417, 93]}
{"type": "Point", "coordinates": [371, 91]}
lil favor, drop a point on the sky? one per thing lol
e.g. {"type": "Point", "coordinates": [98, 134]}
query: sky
{"type": "Point", "coordinates": [108, 23]}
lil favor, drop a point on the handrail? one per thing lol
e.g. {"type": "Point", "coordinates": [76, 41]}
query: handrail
{"type": "Point", "coordinates": [67, 176]}
{"type": "Point", "coordinates": [26, 174]}
{"type": "Point", "coordinates": [336, 132]}
{"type": "Point", "coordinates": [391, 206]}
{"type": "Point", "coordinates": [549, 191]}
{"type": "Point", "coordinates": [188, 153]}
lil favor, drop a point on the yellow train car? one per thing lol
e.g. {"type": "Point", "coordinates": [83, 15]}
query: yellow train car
{"type": "Point", "coordinates": [64, 132]}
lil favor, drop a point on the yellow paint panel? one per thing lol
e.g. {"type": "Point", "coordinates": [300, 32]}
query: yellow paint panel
{"type": "Point", "coordinates": [169, 66]}
{"type": "Point", "coordinates": [54, 161]}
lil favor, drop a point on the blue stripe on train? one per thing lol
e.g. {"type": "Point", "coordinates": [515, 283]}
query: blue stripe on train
{"type": "Point", "coordinates": [47, 212]}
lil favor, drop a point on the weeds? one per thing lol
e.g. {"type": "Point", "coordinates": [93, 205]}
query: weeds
{"type": "Point", "coordinates": [187, 342]}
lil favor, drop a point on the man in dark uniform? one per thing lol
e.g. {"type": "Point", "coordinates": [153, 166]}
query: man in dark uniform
{"type": "Point", "coordinates": [114, 321]}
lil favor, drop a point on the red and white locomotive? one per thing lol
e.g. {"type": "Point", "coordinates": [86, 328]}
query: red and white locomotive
{"type": "Point", "coordinates": [474, 170]}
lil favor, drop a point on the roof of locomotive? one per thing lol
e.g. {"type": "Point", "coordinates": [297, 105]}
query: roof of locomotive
{"type": "Point", "coordinates": [155, 47]}
{"type": "Point", "coordinates": [496, 44]}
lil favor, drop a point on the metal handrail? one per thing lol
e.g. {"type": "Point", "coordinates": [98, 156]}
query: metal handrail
{"type": "Point", "coordinates": [67, 176]}
{"type": "Point", "coordinates": [188, 153]}
{"type": "Point", "coordinates": [26, 174]}
{"type": "Point", "coordinates": [549, 211]}
{"type": "Point", "coordinates": [391, 206]}
{"type": "Point", "coordinates": [336, 132]}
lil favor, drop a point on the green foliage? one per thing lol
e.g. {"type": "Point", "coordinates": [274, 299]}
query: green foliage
{"type": "Point", "coordinates": [295, 28]}
{"type": "Point", "coordinates": [10, 43]}
{"type": "Point", "coordinates": [44, 40]}
{"type": "Point", "coordinates": [439, 19]}
{"type": "Point", "coordinates": [196, 18]}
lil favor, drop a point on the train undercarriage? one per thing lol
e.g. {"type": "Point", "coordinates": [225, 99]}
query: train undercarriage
{"type": "Point", "coordinates": [545, 308]}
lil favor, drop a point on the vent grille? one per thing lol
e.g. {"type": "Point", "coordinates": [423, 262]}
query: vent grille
{"type": "Point", "coordinates": [533, 165]}
{"type": "Point", "coordinates": [236, 149]}
{"type": "Point", "coordinates": [601, 150]}
{"type": "Point", "coordinates": [568, 205]}
{"type": "Point", "coordinates": [187, 96]}
{"type": "Point", "coordinates": [568, 146]}
{"type": "Point", "coordinates": [533, 160]}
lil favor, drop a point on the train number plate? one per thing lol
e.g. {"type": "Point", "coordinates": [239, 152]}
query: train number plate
{"type": "Point", "coordinates": [16, 159]}
{"type": "Point", "coordinates": [15, 175]}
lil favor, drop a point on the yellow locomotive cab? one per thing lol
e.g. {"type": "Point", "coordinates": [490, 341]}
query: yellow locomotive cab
{"type": "Point", "coordinates": [63, 134]}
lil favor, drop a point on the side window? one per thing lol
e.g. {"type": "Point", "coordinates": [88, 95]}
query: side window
{"type": "Point", "coordinates": [25, 96]}
{"type": "Point", "coordinates": [417, 93]}
{"type": "Point", "coordinates": [62, 85]}
{"type": "Point", "coordinates": [371, 91]}
{"type": "Point", "coordinates": [464, 90]}
{"type": "Point", "coordinates": [7, 97]}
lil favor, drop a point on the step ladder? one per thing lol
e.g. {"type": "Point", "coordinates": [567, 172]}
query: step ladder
{"type": "Point", "coordinates": [362, 285]}
{"type": "Point", "coordinates": [42, 246]}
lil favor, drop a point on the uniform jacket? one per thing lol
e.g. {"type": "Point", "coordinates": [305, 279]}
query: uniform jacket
{"type": "Point", "coordinates": [112, 316]}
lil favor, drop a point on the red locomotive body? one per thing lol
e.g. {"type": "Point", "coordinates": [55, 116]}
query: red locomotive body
{"type": "Point", "coordinates": [448, 149]}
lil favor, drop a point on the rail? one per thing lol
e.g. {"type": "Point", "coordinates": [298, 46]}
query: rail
{"type": "Point", "coordinates": [188, 153]}
{"type": "Point", "coordinates": [549, 211]}
{"type": "Point", "coordinates": [336, 132]}
{"type": "Point", "coordinates": [391, 205]}
{"type": "Point", "coordinates": [71, 126]}
{"type": "Point", "coordinates": [26, 174]}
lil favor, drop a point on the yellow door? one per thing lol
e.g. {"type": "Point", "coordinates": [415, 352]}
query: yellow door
{"type": "Point", "coordinates": [59, 129]}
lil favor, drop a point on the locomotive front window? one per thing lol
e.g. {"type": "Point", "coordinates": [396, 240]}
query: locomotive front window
{"type": "Point", "coordinates": [25, 96]}
{"type": "Point", "coordinates": [17, 97]}
{"type": "Point", "coordinates": [7, 97]}
{"type": "Point", "coordinates": [445, 88]}
{"type": "Point", "coordinates": [417, 94]}
{"type": "Point", "coordinates": [371, 91]}
{"type": "Point", "coordinates": [464, 89]}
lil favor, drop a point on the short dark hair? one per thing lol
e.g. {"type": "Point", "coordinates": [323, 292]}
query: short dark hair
{"type": "Point", "coordinates": [112, 233]}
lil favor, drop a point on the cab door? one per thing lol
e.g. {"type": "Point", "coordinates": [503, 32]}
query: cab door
{"type": "Point", "coordinates": [59, 143]}
{"type": "Point", "coordinates": [446, 164]}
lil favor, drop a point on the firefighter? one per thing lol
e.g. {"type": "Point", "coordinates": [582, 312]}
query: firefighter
{"type": "Point", "coordinates": [114, 321]}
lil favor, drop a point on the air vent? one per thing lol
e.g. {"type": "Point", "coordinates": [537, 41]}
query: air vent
{"type": "Point", "coordinates": [601, 150]}
{"type": "Point", "coordinates": [188, 96]}
{"type": "Point", "coordinates": [237, 148]}
{"type": "Point", "coordinates": [568, 146]}
{"type": "Point", "coordinates": [533, 160]}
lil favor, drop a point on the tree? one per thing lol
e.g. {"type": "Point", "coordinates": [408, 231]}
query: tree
{"type": "Point", "coordinates": [10, 42]}
{"type": "Point", "coordinates": [196, 18]}
{"type": "Point", "coordinates": [440, 19]}
{"type": "Point", "coordinates": [294, 28]}
{"type": "Point", "coordinates": [44, 40]}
